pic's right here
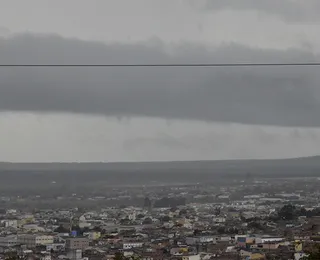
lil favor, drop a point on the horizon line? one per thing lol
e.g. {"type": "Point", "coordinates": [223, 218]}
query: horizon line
{"type": "Point", "coordinates": [160, 161]}
{"type": "Point", "coordinates": [168, 65]}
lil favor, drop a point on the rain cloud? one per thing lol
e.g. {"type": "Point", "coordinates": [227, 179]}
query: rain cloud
{"type": "Point", "coordinates": [288, 10]}
{"type": "Point", "coordinates": [252, 95]}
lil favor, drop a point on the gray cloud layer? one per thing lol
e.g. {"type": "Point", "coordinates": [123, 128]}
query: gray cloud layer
{"type": "Point", "coordinates": [275, 96]}
{"type": "Point", "coordinates": [289, 10]}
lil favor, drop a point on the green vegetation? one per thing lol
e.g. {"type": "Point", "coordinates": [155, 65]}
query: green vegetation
{"type": "Point", "coordinates": [120, 256]}
{"type": "Point", "coordinates": [313, 254]}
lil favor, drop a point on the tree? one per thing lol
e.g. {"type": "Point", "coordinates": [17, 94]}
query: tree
{"type": "Point", "coordinates": [303, 212]}
{"type": "Point", "coordinates": [287, 212]}
{"type": "Point", "coordinates": [61, 229]}
{"type": "Point", "coordinates": [11, 256]}
{"type": "Point", "coordinates": [85, 230]}
{"type": "Point", "coordinates": [124, 221]}
{"type": "Point", "coordinates": [183, 212]}
{"type": "Point", "coordinates": [119, 256]}
{"type": "Point", "coordinates": [97, 229]}
{"type": "Point", "coordinates": [133, 257]}
{"type": "Point", "coordinates": [217, 211]}
{"type": "Point", "coordinates": [255, 225]}
{"type": "Point", "coordinates": [78, 229]}
{"type": "Point", "coordinates": [165, 219]}
{"type": "Point", "coordinates": [140, 216]}
{"type": "Point", "coordinates": [313, 254]}
{"type": "Point", "coordinates": [147, 221]}
{"type": "Point", "coordinates": [196, 232]}
{"type": "Point", "coordinates": [221, 230]}
{"type": "Point", "coordinates": [170, 202]}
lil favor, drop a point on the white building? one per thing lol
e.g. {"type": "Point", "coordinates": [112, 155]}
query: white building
{"type": "Point", "coordinates": [11, 211]}
{"type": "Point", "coordinates": [132, 216]}
{"type": "Point", "coordinates": [83, 222]}
{"type": "Point", "coordinates": [191, 257]}
{"type": "Point", "coordinates": [219, 220]}
{"type": "Point", "coordinates": [9, 241]}
{"type": "Point", "coordinates": [10, 223]}
{"type": "Point", "coordinates": [33, 240]}
{"type": "Point", "coordinates": [262, 240]}
{"type": "Point", "coordinates": [130, 245]}
{"type": "Point", "coordinates": [200, 239]}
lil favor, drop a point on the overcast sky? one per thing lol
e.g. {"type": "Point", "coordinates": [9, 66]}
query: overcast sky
{"type": "Point", "coordinates": [150, 114]}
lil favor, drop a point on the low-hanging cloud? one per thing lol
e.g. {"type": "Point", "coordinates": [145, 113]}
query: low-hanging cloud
{"type": "Point", "coordinates": [260, 95]}
{"type": "Point", "coordinates": [288, 10]}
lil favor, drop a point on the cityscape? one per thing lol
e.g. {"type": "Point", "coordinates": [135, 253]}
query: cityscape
{"type": "Point", "coordinates": [244, 216]}
{"type": "Point", "coordinates": [159, 130]}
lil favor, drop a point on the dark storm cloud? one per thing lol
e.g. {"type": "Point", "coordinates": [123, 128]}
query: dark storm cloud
{"type": "Point", "coordinates": [289, 10]}
{"type": "Point", "coordinates": [275, 96]}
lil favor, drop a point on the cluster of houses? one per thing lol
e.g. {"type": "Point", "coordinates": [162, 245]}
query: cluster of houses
{"type": "Point", "coordinates": [190, 232]}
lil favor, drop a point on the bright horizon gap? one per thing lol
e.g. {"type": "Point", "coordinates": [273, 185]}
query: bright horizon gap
{"type": "Point", "coordinates": [159, 161]}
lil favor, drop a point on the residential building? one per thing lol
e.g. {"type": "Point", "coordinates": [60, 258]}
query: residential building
{"type": "Point", "coordinates": [133, 244]}
{"type": "Point", "coordinates": [9, 241]}
{"type": "Point", "coordinates": [33, 240]}
{"type": "Point", "coordinates": [73, 243]}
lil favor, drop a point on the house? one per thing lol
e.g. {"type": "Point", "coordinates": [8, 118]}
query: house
{"type": "Point", "coordinates": [55, 247]}
{"type": "Point", "coordinates": [33, 228]}
{"type": "Point", "coordinates": [152, 254]}
{"type": "Point", "coordinates": [298, 256]}
{"type": "Point", "coordinates": [200, 239]}
{"type": "Point", "coordinates": [219, 220]}
{"type": "Point", "coordinates": [93, 235]}
{"type": "Point", "coordinates": [11, 211]}
{"type": "Point", "coordinates": [252, 256]}
{"type": "Point", "coordinates": [131, 244]}
{"type": "Point", "coordinates": [9, 241]}
{"type": "Point", "coordinates": [270, 246]}
{"type": "Point", "coordinates": [9, 223]}
{"type": "Point", "coordinates": [257, 256]}
{"type": "Point", "coordinates": [191, 257]}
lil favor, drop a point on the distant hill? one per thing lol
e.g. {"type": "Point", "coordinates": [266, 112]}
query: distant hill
{"type": "Point", "coordinates": [313, 161]}
{"type": "Point", "coordinates": [39, 176]}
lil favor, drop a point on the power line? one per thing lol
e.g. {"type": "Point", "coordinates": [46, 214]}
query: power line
{"type": "Point", "coordinates": [170, 65]}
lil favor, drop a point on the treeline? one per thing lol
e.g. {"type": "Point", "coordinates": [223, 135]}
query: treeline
{"type": "Point", "coordinates": [291, 212]}
{"type": "Point", "coordinates": [169, 202]}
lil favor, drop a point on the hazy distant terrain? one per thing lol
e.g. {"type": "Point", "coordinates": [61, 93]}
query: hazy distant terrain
{"type": "Point", "coordinates": [24, 175]}
{"type": "Point", "coordinates": [226, 165]}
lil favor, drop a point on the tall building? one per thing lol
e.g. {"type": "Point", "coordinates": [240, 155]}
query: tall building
{"type": "Point", "coordinates": [73, 243]}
